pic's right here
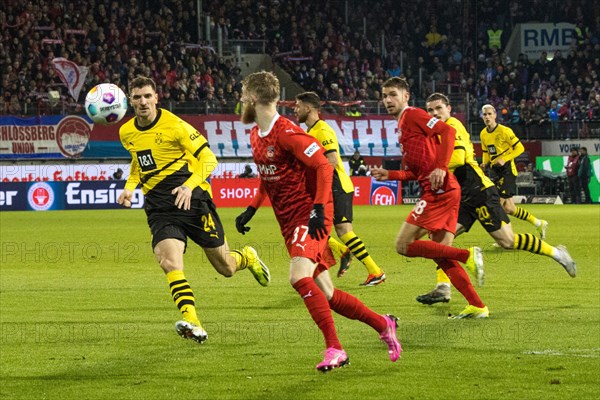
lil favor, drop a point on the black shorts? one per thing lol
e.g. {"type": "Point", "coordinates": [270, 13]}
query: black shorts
{"type": "Point", "coordinates": [201, 224]}
{"type": "Point", "coordinates": [483, 207]}
{"type": "Point", "coordinates": [342, 206]}
{"type": "Point", "coordinates": [505, 181]}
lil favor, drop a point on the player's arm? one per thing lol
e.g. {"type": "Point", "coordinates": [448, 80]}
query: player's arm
{"type": "Point", "coordinates": [133, 180]}
{"type": "Point", "coordinates": [248, 213]}
{"type": "Point", "coordinates": [306, 149]}
{"type": "Point", "coordinates": [329, 142]}
{"type": "Point", "coordinates": [446, 135]}
{"type": "Point", "coordinates": [462, 146]}
{"type": "Point", "coordinates": [485, 156]}
{"type": "Point", "coordinates": [381, 174]}
{"type": "Point", "coordinates": [516, 148]}
{"type": "Point", "coordinates": [203, 163]}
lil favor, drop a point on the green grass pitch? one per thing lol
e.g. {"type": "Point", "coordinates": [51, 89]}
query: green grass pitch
{"type": "Point", "coordinates": [85, 314]}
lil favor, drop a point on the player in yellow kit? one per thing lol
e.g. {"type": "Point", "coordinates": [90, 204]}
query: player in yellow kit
{"type": "Point", "coordinates": [307, 110]}
{"type": "Point", "coordinates": [480, 201]}
{"type": "Point", "coordinates": [171, 160]}
{"type": "Point", "coordinates": [500, 147]}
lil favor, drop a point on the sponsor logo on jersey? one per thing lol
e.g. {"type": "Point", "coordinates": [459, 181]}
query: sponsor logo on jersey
{"type": "Point", "coordinates": [266, 169]}
{"type": "Point", "coordinates": [432, 122]}
{"type": "Point", "coordinates": [311, 150]}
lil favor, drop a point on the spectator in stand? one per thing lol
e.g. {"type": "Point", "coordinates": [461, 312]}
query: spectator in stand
{"type": "Point", "coordinates": [572, 169]}
{"type": "Point", "coordinates": [118, 175]}
{"type": "Point", "coordinates": [25, 58]}
{"type": "Point", "coordinates": [585, 173]}
{"type": "Point", "coordinates": [355, 162]}
{"type": "Point", "coordinates": [248, 173]}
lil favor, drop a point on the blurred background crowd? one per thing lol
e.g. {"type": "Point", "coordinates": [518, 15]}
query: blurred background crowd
{"type": "Point", "coordinates": [343, 50]}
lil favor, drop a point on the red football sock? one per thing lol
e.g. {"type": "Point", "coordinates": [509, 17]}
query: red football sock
{"type": "Point", "coordinates": [431, 249]}
{"type": "Point", "coordinates": [460, 280]}
{"type": "Point", "coordinates": [318, 307]}
{"type": "Point", "coordinates": [352, 308]}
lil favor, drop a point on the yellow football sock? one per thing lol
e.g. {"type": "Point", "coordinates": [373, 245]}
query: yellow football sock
{"type": "Point", "coordinates": [525, 215]}
{"type": "Point", "coordinates": [357, 248]}
{"type": "Point", "coordinates": [442, 277]}
{"type": "Point", "coordinates": [183, 296]}
{"type": "Point", "coordinates": [336, 247]}
{"type": "Point", "coordinates": [532, 244]}
{"type": "Point", "coordinates": [241, 262]}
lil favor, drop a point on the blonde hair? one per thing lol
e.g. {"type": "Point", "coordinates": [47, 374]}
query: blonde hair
{"type": "Point", "coordinates": [264, 85]}
{"type": "Point", "coordinates": [488, 106]}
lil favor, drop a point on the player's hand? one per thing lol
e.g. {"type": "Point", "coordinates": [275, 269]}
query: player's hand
{"type": "Point", "coordinates": [243, 219]}
{"type": "Point", "coordinates": [316, 222]}
{"type": "Point", "coordinates": [124, 198]}
{"type": "Point", "coordinates": [499, 161]}
{"type": "Point", "coordinates": [483, 166]}
{"type": "Point", "coordinates": [379, 174]}
{"type": "Point", "coordinates": [183, 197]}
{"type": "Point", "coordinates": [436, 178]}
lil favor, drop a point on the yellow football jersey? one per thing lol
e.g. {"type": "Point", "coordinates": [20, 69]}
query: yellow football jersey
{"type": "Point", "coordinates": [463, 163]}
{"type": "Point", "coordinates": [164, 155]}
{"type": "Point", "coordinates": [501, 142]}
{"type": "Point", "coordinates": [328, 139]}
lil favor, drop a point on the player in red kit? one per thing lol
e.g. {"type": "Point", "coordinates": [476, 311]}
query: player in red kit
{"type": "Point", "coordinates": [297, 177]}
{"type": "Point", "coordinates": [427, 144]}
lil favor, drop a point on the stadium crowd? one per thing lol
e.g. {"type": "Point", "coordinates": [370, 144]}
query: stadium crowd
{"type": "Point", "coordinates": [343, 50]}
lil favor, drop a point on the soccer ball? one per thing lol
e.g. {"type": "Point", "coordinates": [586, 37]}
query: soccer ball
{"type": "Point", "coordinates": [106, 104]}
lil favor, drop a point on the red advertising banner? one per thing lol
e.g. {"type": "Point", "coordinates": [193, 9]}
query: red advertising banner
{"type": "Point", "coordinates": [238, 192]}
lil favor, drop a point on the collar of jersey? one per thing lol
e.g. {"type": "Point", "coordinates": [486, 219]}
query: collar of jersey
{"type": "Point", "coordinates": [266, 133]}
{"type": "Point", "coordinates": [145, 128]}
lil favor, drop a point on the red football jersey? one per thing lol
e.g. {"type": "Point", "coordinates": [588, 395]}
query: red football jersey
{"type": "Point", "coordinates": [421, 146]}
{"type": "Point", "coordinates": [287, 160]}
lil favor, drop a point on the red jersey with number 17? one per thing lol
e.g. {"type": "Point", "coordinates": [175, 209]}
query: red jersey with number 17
{"type": "Point", "coordinates": [421, 144]}
{"type": "Point", "coordinates": [287, 160]}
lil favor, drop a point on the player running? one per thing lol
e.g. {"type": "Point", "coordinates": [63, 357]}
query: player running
{"type": "Point", "coordinates": [480, 201]}
{"type": "Point", "coordinates": [427, 145]}
{"type": "Point", "coordinates": [307, 110]}
{"type": "Point", "coordinates": [171, 160]}
{"type": "Point", "coordinates": [500, 147]}
{"type": "Point", "coordinates": [297, 177]}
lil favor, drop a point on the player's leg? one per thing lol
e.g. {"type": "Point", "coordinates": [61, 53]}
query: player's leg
{"type": "Point", "coordinates": [442, 292]}
{"type": "Point", "coordinates": [343, 215]}
{"type": "Point", "coordinates": [511, 209]}
{"type": "Point", "coordinates": [459, 278]}
{"type": "Point", "coordinates": [301, 279]}
{"type": "Point", "coordinates": [407, 244]}
{"type": "Point", "coordinates": [507, 239]}
{"type": "Point", "coordinates": [211, 237]}
{"type": "Point", "coordinates": [346, 234]}
{"type": "Point", "coordinates": [342, 252]}
{"type": "Point", "coordinates": [350, 307]}
{"type": "Point", "coordinates": [169, 254]}
{"type": "Point", "coordinates": [227, 262]}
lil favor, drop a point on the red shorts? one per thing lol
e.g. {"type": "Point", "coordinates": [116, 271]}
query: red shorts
{"type": "Point", "coordinates": [436, 212]}
{"type": "Point", "coordinates": [300, 244]}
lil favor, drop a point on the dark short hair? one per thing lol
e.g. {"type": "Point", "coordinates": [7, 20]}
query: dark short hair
{"type": "Point", "coordinates": [438, 96]}
{"type": "Point", "coordinates": [583, 148]}
{"type": "Point", "coordinates": [141, 81]}
{"type": "Point", "coordinates": [396, 82]}
{"type": "Point", "coordinates": [310, 98]}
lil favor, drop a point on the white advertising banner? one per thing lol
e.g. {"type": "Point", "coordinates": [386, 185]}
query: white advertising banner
{"type": "Point", "coordinates": [563, 147]}
{"type": "Point", "coordinates": [547, 37]}
{"type": "Point", "coordinates": [61, 172]}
